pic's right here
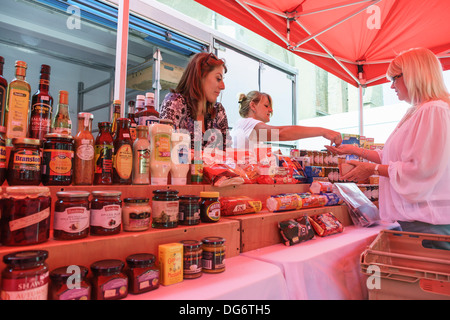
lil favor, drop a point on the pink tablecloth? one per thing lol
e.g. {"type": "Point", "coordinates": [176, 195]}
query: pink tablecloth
{"type": "Point", "coordinates": [323, 268]}
{"type": "Point", "coordinates": [243, 279]}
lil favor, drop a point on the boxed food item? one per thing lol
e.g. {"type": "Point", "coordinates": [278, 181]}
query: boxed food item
{"type": "Point", "coordinates": [325, 224]}
{"type": "Point", "coordinates": [230, 206]}
{"type": "Point", "coordinates": [170, 256]}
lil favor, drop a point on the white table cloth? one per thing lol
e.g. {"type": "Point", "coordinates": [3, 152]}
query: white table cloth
{"type": "Point", "coordinates": [323, 268]}
{"type": "Point", "coordinates": [243, 279]}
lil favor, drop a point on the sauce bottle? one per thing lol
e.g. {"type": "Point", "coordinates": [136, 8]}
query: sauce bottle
{"type": "Point", "coordinates": [104, 150]}
{"type": "Point", "coordinates": [3, 90]}
{"type": "Point", "coordinates": [133, 123]}
{"type": "Point", "coordinates": [149, 115]}
{"type": "Point", "coordinates": [140, 105]}
{"type": "Point", "coordinates": [115, 116]}
{"type": "Point", "coordinates": [181, 158]}
{"type": "Point", "coordinates": [84, 150]}
{"type": "Point", "coordinates": [61, 122]}
{"type": "Point", "coordinates": [41, 107]}
{"type": "Point", "coordinates": [141, 157]}
{"type": "Point", "coordinates": [160, 163]}
{"type": "Point", "coordinates": [123, 153]}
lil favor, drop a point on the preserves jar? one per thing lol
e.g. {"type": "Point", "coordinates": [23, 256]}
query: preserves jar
{"type": "Point", "coordinates": [136, 214]}
{"type": "Point", "coordinates": [213, 257]}
{"type": "Point", "coordinates": [209, 206]}
{"type": "Point", "coordinates": [24, 167]}
{"type": "Point", "coordinates": [106, 213]}
{"type": "Point", "coordinates": [57, 159]}
{"type": "Point", "coordinates": [2, 155]}
{"type": "Point", "coordinates": [192, 259]}
{"type": "Point", "coordinates": [109, 282]}
{"type": "Point", "coordinates": [69, 283]}
{"type": "Point", "coordinates": [165, 209]}
{"type": "Point", "coordinates": [189, 210]}
{"type": "Point", "coordinates": [25, 217]}
{"type": "Point", "coordinates": [25, 276]}
{"type": "Point", "coordinates": [71, 215]}
{"type": "Point", "coordinates": [142, 273]}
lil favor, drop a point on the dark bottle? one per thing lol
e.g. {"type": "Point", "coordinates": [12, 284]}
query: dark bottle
{"type": "Point", "coordinates": [104, 150]}
{"type": "Point", "coordinates": [116, 109]}
{"type": "Point", "coordinates": [41, 107]}
{"type": "Point", "coordinates": [123, 153]}
{"type": "Point", "coordinates": [133, 123]}
{"type": "Point", "coordinates": [3, 91]}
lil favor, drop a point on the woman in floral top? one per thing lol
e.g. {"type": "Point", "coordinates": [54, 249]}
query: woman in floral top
{"type": "Point", "coordinates": [192, 106]}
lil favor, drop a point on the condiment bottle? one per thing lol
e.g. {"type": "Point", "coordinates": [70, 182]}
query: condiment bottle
{"type": "Point", "coordinates": [142, 273]}
{"type": "Point", "coordinates": [123, 153]}
{"type": "Point", "coordinates": [116, 109]}
{"type": "Point", "coordinates": [104, 150]}
{"type": "Point", "coordinates": [84, 150]}
{"type": "Point", "coordinates": [149, 115]}
{"type": "Point", "coordinates": [140, 105]}
{"type": "Point", "coordinates": [3, 91]}
{"type": "Point", "coordinates": [69, 283]}
{"type": "Point", "coordinates": [18, 101]}
{"type": "Point", "coordinates": [141, 157]}
{"type": "Point", "coordinates": [160, 163]}
{"type": "Point", "coordinates": [181, 158]}
{"type": "Point", "coordinates": [25, 276]}
{"type": "Point", "coordinates": [41, 107]}
{"type": "Point", "coordinates": [61, 121]}
{"type": "Point", "coordinates": [133, 123]}
{"type": "Point", "coordinates": [3, 164]}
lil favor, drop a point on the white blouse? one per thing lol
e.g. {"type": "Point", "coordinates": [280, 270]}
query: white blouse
{"type": "Point", "coordinates": [418, 155]}
{"type": "Point", "coordinates": [242, 135]}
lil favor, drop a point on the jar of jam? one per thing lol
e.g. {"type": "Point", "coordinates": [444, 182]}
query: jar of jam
{"type": "Point", "coordinates": [57, 159]}
{"type": "Point", "coordinates": [25, 276]}
{"type": "Point", "coordinates": [69, 283]}
{"type": "Point", "coordinates": [106, 213]}
{"type": "Point", "coordinates": [136, 214]}
{"type": "Point", "coordinates": [189, 210]}
{"type": "Point", "coordinates": [71, 216]}
{"type": "Point", "coordinates": [142, 273]}
{"type": "Point", "coordinates": [24, 167]}
{"type": "Point", "coordinates": [2, 155]}
{"type": "Point", "coordinates": [213, 258]}
{"type": "Point", "coordinates": [192, 259]}
{"type": "Point", "coordinates": [209, 206]}
{"type": "Point", "coordinates": [108, 281]}
{"type": "Point", "coordinates": [165, 209]}
{"type": "Point", "coordinates": [25, 217]}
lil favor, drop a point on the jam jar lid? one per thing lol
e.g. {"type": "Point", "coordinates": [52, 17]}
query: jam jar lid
{"type": "Point", "coordinates": [141, 260]}
{"type": "Point", "coordinates": [25, 257]}
{"type": "Point", "coordinates": [209, 194]}
{"type": "Point", "coordinates": [136, 200]}
{"type": "Point", "coordinates": [72, 194]}
{"type": "Point", "coordinates": [34, 142]}
{"type": "Point", "coordinates": [97, 193]}
{"type": "Point", "coordinates": [191, 244]}
{"type": "Point", "coordinates": [27, 192]}
{"type": "Point", "coordinates": [213, 240]}
{"type": "Point", "coordinates": [62, 273]}
{"type": "Point", "coordinates": [167, 192]}
{"type": "Point", "coordinates": [189, 197]}
{"type": "Point", "coordinates": [107, 267]}
{"type": "Point", "coordinates": [57, 135]}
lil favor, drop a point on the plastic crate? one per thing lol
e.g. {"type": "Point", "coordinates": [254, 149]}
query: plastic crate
{"type": "Point", "coordinates": [398, 266]}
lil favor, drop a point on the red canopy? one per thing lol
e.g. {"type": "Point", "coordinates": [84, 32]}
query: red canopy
{"type": "Point", "coordinates": [346, 37]}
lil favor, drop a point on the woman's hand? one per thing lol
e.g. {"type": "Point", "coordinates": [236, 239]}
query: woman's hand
{"type": "Point", "coordinates": [361, 172]}
{"type": "Point", "coordinates": [342, 149]}
{"type": "Point", "coordinates": [333, 136]}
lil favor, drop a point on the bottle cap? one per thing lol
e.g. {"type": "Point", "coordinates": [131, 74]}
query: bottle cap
{"type": "Point", "coordinates": [63, 97]}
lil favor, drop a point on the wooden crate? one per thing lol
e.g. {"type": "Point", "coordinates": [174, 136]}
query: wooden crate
{"type": "Point", "coordinates": [143, 79]}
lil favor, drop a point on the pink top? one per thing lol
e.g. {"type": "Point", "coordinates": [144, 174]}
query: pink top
{"type": "Point", "coordinates": [418, 155]}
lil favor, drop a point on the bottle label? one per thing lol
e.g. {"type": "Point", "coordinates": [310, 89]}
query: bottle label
{"type": "Point", "coordinates": [123, 161]}
{"type": "Point", "coordinates": [181, 154]}
{"type": "Point", "coordinates": [27, 160]}
{"type": "Point", "coordinates": [143, 161]}
{"type": "Point", "coordinates": [40, 117]}
{"type": "Point", "coordinates": [103, 158]}
{"type": "Point", "coordinates": [2, 157]}
{"type": "Point", "coordinates": [17, 113]}
{"type": "Point", "coordinates": [109, 217]}
{"type": "Point", "coordinates": [162, 146]}
{"type": "Point", "coordinates": [72, 220]}
{"type": "Point", "coordinates": [57, 162]}
{"type": "Point", "coordinates": [85, 152]}
{"type": "Point", "coordinates": [2, 101]}
{"type": "Point", "coordinates": [27, 288]}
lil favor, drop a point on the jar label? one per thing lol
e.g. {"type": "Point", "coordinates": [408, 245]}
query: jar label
{"type": "Point", "coordinates": [137, 220]}
{"type": "Point", "coordinates": [161, 146]}
{"type": "Point", "coordinates": [2, 157]}
{"type": "Point", "coordinates": [72, 220]}
{"type": "Point", "coordinates": [27, 288]}
{"type": "Point", "coordinates": [58, 161]}
{"type": "Point", "coordinates": [109, 217]}
{"type": "Point", "coordinates": [192, 262]}
{"type": "Point", "coordinates": [103, 158]}
{"type": "Point", "coordinates": [85, 152]}
{"type": "Point", "coordinates": [115, 287]}
{"type": "Point", "coordinates": [27, 160]}
{"type": "Point", "coordinates": [81, 293]}
{"type": "Point", "coordinates": [29, 220]}
{"type": "Point", "coordinates": [123, 161]}
{"type": "Point", "coordinates": [147, 279]}
{"type": "Point", "coordinates": [213, 211]}
{"type": "Point", "coordinates": [212, 260]}
{"type": "Point", "coordinates": [17, 115]}
{"type": "Point", "coordinates": [165, 211]}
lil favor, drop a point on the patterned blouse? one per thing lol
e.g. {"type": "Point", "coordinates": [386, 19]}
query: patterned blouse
{"type": "Point", "coordinates": [175, 108]}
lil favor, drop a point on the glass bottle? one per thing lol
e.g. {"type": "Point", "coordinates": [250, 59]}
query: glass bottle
{"type": "Point", "coordinates": [141, 157]}
{"type": "Point", "coordinates": [41, 107]}
{"type": "Point", "coordinates": [3, 90]}
{"type": "Point", "coordinates": [84, 150]}
{"type": "Point", "coordinates": [133, 123]}
{"type": "Point", "coordinates": [104, 150]}
{"type": "Point", "coordinates": [61, 121]}
{"type": "Point", "coordinates": [149, 114]}
{"type": "Point", "coordinates": [123, 153]}
{"type": "Point", "coordinates": [18, 97]}
{"type": "Point", "coordinates": [115, 116]}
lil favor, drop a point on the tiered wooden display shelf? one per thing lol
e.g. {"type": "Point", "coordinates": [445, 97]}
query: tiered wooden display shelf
{"type": "Point", "coordinates": [242, 232]}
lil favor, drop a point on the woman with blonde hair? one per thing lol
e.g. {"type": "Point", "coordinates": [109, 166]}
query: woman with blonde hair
{"type": "Point", "coordinates": [414, 165]}
{"type": "Point", "coordinates": [256, 109]}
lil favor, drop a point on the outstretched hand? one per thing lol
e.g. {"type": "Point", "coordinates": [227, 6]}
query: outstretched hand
{"type": "Point", "coordinates": [361, 172]}
{"type": "Point", "coordinates": [341, 149]}
{"type": "Point", "coordinates": [334, 137]}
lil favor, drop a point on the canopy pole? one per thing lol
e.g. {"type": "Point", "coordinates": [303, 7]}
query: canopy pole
{"type": "Point", "coordinates": [361, 124]}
